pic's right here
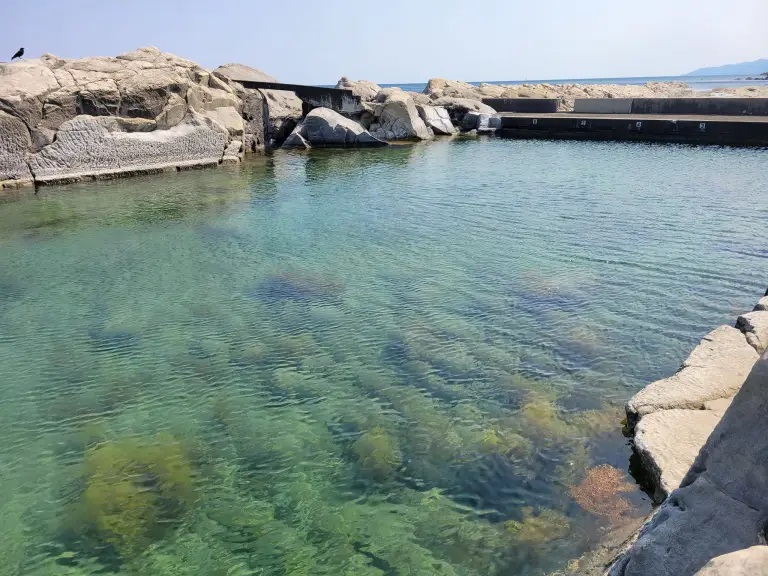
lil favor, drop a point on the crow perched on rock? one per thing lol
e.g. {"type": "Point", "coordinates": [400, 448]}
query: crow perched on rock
{"type": "Point", "coordinates": [18, 54]}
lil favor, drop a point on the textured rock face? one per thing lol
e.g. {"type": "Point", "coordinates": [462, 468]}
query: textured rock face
{"type": "Point", "coordinates": [437, 119]}
{"type": "Point", "coordinates": [458, 107]}
{"type": "Point", "coordinates": [750, 562]}
{"type": "Point", "coordinates": [762, 304]}
{"type": "Point", "coordinates": [396, 117]}
{"type": "Point", "coordinates": [284, 109]}
{"type": "Point", "coordinates": [138, 92]}
{"type": "Point", "coordinates": [323, 127]}
{"type": "Point", "coordinates": [96, 146]}
{"type": "Point", "coordinates": [722, 504]}
{"type": "Point", "coordinates": [14, 143]}
{"type": "Point", "coordinates": [366, 90]}
{"type": "Point", "coordinates": [715, 369]}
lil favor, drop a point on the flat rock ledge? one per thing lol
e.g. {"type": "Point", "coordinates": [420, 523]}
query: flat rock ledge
{"type": "Point", "coordinates": [700, 436]}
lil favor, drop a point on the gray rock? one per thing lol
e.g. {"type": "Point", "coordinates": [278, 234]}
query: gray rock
{"type": "Point", "coordinates": [762, 304]}
{"type": "Point", "coordinates": [754, 325]}
{"type": "Point", "coordinates": [716, 368]}
{"type": "Point", "coordinates": [396, 117]}
{"type": "Point", "coordinates": [722, 504]}
{"type": "Point", "coordinates": [366, 90]}
{"type": "Point", "coordinates": [97, 146]}
{"type": "Point", "coordinates": [324, 127]}
{"type": "Point", "coordinates": [668, 442]}
{"type": "Point", "coordinates": [458, 107]}
{"type": "Point", "coordinates": [296, 140]}
{"type": "Point", "coordinates": [436, 118]}
{"type": "Point", "coordinates": [173, 112]}
{"type": "Point", "coordinates": [284, 109]}
{"type": "Point", "coordinates": [750, 562]}
{"type": "Point", "coordinates": [14, 143]}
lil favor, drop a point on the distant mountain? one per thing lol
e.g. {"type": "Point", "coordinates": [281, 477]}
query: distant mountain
{"type": "Point", "coordinates": [753, 68]}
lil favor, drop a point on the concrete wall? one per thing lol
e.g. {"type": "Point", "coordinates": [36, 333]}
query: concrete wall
{"type": "Point", "coordinates": [343, 101]}
{"type": "Point", "coordinates": [603, 105]}
{"type": "Point", "coordinates": [571, 127]}
{"type": "Point", "coordinates": [702, 106]}
{"type": "Point", "coordinates": [534, 105]}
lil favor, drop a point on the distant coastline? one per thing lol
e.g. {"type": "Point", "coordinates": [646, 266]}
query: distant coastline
{"type": "Point", "coordinates": [697, 83]}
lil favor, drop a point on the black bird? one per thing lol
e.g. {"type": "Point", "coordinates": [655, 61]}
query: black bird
{"type": "Point", "coordinates": [18, 54]}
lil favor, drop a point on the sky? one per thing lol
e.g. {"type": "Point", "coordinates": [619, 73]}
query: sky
{"type": "Point", "coordinates": [399, 41]}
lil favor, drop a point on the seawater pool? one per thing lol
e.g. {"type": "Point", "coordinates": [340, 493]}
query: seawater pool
{"type": "Point", "coordinates": [385, 362]}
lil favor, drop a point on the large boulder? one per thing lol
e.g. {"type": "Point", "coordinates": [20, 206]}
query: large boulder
{"type": "Point", "coordinates": [754, 325]}
{"type": "Point", "coordinates": [458, 107]}
{"type": "Point", "coordinates": [437, 119]}
{"type": "Point", "coordinates": [143, 90]}
{"type": "Point", "coordinates": [323, 127]}
{"type": "Point", "coordinates": [284, 108]}
{"type": "Point", "coordinates": [364, 89]}
{"type": "Point", "coordinates": [396, 117]}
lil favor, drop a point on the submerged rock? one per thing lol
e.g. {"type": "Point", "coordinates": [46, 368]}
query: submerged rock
{"type": "Point", "coordinates": [299, 287]}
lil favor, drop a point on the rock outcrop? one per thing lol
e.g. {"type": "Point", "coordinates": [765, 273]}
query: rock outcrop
{"type": "Point", "coordinates": [721, 505]}
{"type": "Point", "coordinates": [396, 117]}
{"type": "Point", "coordinates": [366, 90]}
{"type": "Point", "coordinates": [283, 108]}
{"type": "Point", "coordinates": [437, 119]}
{"type": "Point", "coordinates": [323, 127]}
{"type": "Point", "coordinates": [102, 116]}
{"type": "Point", "coordinates": [459, 107]}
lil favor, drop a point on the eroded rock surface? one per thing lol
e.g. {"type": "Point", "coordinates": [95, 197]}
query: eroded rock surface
{"type": "Point", "coordinates": [437, 119]}
{"type": "Point", "coordinates": [145, 108]}
{"type": "Point", "coordinates": [366, 90]}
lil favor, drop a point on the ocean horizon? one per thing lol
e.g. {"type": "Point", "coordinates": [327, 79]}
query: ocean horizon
{"type": "Point", "coordinates": [698, 83]}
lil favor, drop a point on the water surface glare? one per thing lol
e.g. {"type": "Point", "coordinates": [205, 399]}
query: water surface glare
{"type": "Point", "coordinates": [389, 362]}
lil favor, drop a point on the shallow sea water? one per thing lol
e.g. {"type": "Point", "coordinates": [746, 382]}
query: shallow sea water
{"type": "Point", "coordinates": [382, 362]}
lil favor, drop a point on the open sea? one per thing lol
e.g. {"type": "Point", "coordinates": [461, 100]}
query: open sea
{"type": "Point", "coordinates": [401, 361]}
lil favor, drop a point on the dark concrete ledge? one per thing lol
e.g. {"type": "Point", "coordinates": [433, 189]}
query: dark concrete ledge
{"type": "Point", "coordinates": [540, 105]}
{"type": "Point", "coordinates": [701, 130]}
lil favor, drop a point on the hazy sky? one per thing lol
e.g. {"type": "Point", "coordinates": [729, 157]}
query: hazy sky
{"type": "Point", "coordinates": [404, 40]}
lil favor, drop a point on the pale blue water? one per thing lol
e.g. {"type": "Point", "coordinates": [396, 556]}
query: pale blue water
{"type": "Point", "coordinates": [380, 362]}
{"type": "Point", "coordinates": [695, 82]}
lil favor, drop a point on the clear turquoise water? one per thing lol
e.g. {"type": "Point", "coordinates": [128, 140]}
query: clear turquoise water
{"type": "Point", "coordinates": [353, 362]}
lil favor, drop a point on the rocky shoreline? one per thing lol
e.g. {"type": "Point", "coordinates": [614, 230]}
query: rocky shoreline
{"type": "Point", "coordinates": [147, 111]}
{"type": "Point", "coordinates": [700, 437]}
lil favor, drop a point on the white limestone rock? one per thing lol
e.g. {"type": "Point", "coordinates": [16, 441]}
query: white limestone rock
{"type": "Point", "coordinates": [436, 118]}
{"type": "Point", "coordinates": [90, 146]}
{"type": "Point", "coordinates": [14, 143]}
{"type": "Point", "coordinates": [668, 442]}
{"type": "Point", "coordinates": [396, 117]}
{"type": "Point", "coordinates": [716, 368]}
